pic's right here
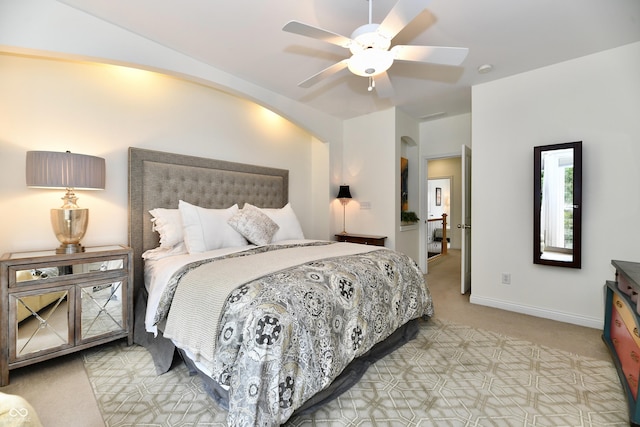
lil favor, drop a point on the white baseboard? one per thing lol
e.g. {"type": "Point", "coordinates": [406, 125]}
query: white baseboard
{"type": "Point", "coordinates": [588, 322]}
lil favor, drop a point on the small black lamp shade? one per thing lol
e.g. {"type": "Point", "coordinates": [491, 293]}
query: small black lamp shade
{"type": "Point", "coordinates": [344, 192]}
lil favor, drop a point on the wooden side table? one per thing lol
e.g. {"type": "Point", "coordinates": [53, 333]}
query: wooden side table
{"type": "Point", "coordinates": [363, 239]}
{"type": "Point", "coordinates": [56, 304]}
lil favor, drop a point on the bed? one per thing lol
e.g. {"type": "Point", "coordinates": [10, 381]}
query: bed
{"type": "Point", "coordinates": [274, 323]}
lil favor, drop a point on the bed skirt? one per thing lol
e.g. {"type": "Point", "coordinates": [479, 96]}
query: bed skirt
{"type": "Point", "coordinates": [162, 351]}
{"type": "Point", "coordinates": [350, 376]}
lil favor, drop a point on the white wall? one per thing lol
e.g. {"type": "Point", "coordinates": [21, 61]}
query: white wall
{"type": "Point", "coordinates": [445, 137]}
{"type": "Point", "coordinates": [320, 192]}
{"type": "Point", "coordinates": [102, 110]}
{"type": "Point", "coordinates": [369, 169]}
{"type": "Point", "coordinates": [594, 99]}
{"type": "Point", "coordinates": [372, 146]}
{"type": "Point", "coordinates": [407, 144]}
{"type": "Point", "coordinates": [53, 29]}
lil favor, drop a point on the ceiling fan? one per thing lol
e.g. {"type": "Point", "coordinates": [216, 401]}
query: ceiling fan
{"type": "Point", "coordinates": [370, 43]}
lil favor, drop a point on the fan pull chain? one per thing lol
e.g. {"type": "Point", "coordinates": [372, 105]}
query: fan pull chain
{"type": "Point", "coordinates": [372, 83]}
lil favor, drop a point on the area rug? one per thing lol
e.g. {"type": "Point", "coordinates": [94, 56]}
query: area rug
{"type": "Point", "coordinates": [450, 375]}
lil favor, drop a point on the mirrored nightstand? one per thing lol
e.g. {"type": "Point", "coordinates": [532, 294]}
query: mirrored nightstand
{"type": "Point", "coordinates": [55, 304]}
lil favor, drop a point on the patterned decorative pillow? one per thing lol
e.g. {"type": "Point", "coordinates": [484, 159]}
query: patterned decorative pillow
{"type": "Point", "coordinates": [254, 225]}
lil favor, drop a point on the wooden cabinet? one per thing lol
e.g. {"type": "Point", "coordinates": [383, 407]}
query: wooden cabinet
{"type": "Point", "coordinates": [55, 304]}
{"type": "Point", "coordinates": [363, 239]}
{"type": "Point", "coordinates": [622, 330]}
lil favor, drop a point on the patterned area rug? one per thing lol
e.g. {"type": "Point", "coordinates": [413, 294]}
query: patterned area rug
{"type": "Point", "coordinates": [450, 375]}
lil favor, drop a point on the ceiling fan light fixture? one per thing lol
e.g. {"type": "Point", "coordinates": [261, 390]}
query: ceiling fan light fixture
{"type": "Point", "coordinates": [370, 46]}
{"type": "Point", "coordinates": [366, 37]}
{"type": "Point", "coordinates": [370, 62]}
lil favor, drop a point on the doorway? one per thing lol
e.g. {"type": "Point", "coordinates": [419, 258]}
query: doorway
{"type": "Point", "coordinates": [444, 173]}
{"type": "Point", "coordinates": [438, 229]}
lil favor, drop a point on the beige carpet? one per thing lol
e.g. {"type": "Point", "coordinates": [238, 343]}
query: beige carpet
{"type": "Point", "coordinates": [62, 395]}
{"type": "Point", "coordinates": [451, 375]}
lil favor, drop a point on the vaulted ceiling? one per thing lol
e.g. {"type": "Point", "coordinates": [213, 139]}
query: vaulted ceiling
{"type": "Point", "coordinates": [245, 38]}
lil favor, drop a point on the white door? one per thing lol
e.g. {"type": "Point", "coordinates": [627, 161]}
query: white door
{"type": "Point", "coordinates": [465, 247]}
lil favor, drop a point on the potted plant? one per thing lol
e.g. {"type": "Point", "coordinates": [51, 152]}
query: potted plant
{"type": "Point", "coordinates": [408, 217]}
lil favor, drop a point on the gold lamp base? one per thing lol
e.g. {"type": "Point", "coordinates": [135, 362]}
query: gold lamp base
{"type": "Point", "coordinates": [70, 248]}
{"type": "Point", "coordinates": [69, 226]}
{"type": "Point", "coordinates": [344, 202]}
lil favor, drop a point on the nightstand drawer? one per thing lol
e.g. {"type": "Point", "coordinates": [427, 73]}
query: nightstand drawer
{"type": "Point", "coordinates": [362, 239]}
{"type": "Point", "coordinates": [44, 271]}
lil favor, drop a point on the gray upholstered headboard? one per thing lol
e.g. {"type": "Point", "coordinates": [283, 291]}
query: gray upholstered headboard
{"type": "Point", "coordinates": [159, 180]}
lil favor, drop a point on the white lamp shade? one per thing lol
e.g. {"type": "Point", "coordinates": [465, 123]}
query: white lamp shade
{"type": "Point", "coordinates": [50, 169]}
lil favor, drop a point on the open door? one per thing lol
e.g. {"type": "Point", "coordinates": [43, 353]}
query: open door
{"type": "Point", "coordinates": [465, 247]}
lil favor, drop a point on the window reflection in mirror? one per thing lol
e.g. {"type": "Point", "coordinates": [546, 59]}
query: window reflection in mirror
{"type": "Point", "coordinates": [557, 204]}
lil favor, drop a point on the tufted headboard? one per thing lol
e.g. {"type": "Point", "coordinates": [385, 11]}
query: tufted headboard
{"type": "Point", "coordinates": [159, 180]}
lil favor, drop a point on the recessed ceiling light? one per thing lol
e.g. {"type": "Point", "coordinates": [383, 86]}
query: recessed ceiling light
{"type": "Point", "coordinates": [485, 68]}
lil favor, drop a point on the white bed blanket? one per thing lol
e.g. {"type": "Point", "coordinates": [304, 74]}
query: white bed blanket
{"type": "Point", "coordinates": [192, 322]}
{"type": "Point", "coordinates": [159, 269]}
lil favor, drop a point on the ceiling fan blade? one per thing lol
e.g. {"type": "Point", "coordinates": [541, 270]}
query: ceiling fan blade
{"type": "Point", "coordinates": [402, 13]}
{"type": "Point", "coordinates": [302, 29]}
{"type": "Point", "coordinates": [384, 89]}
{"type": "Point", "coordinates": [432, 54]}
{"type": "Point", "coordinates": [338, 66]}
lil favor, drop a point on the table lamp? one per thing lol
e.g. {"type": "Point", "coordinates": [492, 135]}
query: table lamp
{"type": "Point", "coordinates": [70, 171]}
{"type": "Point", "coordinates": [344, 195]}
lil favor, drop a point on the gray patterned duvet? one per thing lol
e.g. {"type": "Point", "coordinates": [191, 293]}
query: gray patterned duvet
{"type": "Point", "coordinates": [290, 329]}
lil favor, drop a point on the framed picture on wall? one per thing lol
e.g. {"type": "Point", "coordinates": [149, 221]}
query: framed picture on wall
{"type": "Point", "coordinates": [404, 184]}
{"type": "Point", "coordinates": [438, 196]}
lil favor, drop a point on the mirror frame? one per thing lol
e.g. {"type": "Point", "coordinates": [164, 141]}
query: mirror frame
{"type": "Point", "coordinates": [577, 204]}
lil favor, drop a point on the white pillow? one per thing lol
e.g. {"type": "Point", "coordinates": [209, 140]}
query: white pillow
{"type": "Point", "coordinates": [207, 229]}
{"type": "Point", "coordinates": [289, 227]}
{"type": "Point", "coordinates": [254, 225]}
{"type": "Point", "coordinates": [159, 253]}
{"type": "Point", "coordinates": [168, 223]}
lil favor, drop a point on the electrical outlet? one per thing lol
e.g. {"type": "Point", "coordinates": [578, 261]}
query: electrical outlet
{"type": "Point", "coordinates": [506, 278]}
